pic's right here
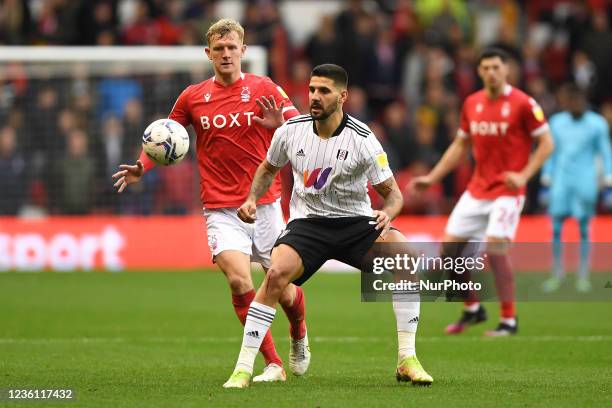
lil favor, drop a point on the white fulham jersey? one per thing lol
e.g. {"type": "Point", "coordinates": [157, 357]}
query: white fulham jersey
{"type": "Point", "coordinates": [330, 176]}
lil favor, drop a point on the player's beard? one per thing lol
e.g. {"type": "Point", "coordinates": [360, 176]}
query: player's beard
{"type": "Point", "coordinates": [325, 113]}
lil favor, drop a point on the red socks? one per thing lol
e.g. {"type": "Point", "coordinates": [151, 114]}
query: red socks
{"type": "Point", "coordinates": [296, 314]}
{"type": "Point", "coordinates": [504, 282]}
{"type": "Point", "coordinates": [241, 306]}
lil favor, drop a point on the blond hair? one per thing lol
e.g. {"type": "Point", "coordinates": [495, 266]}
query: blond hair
{"type": "Point", "coordinates": [222, 28]}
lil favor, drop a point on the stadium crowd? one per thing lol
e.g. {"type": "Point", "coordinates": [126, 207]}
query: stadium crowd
{"type": "Point", "coordinates": [410, 65]}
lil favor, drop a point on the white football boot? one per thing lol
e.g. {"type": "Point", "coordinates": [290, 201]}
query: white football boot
{"type": "Point", "coordinates": [299, 356]}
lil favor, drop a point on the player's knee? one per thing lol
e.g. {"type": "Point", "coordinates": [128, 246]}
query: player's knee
{"type": "Point", "coordinates": [278, 277]}
{"type": "Point", "coordinates": [393, 235]}
{"type": "Point", "coordinates": [239, 284]}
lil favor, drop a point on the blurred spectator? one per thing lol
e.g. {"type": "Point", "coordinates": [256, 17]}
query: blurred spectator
{"type": "Point", "coordinates": [392, 154]}
{"type": "Point", "coordinates": [425, 152]}
{"type": "Point", "coordinates": [14, 180]}
{"type": "Point", "coordinates": [263, 26]}
{"type": "Point", "coordinates": [133, 127]}
{"type": "Point", "coordinates": [140, 200]}
{"type": "Point", "coordinates": [357, 104]}
{"type": "Point", "coordinates": [413, 72]}
{"type": "Point", "coordinates": [75, 173]}
{"type": "Point", "coordinates": [15, 23]}
{"type": "Point", "coordinates": [356, 32]}
{"type": "Point", "coordinates": [399, 133]}
{"type": "Point", "coordinates": [41, 135]}
{"type": "Point", "coordinates": [58, 22]}
{"type": "Point", "coordinates": [160, 92]}
{"type": "Point", "coordinates": [115, 92]}
{"type": "Point", "coordinates": [438, 15]}
{"type": "Point", "coordinates": [297, 88]}
{"type": "Point", "coordinates": [114, 146]}
{"type": "Point", "coordinates": [96, 20]}
{"type": "Point", "coordinates": [383, 71]}
{"type": "Point", "coordinates": [112, 155]}
{"type": "Point", "coordinates": [597, 43]}
{"type": "Point", "coordinates": [583, 71]}
{"type": "Point", "coordinates": [538, 89]}
{"type": "Point", "coordinates": [555, 60]}
{"type": "Point", "coordinates": [142, 30]}
{"type": "Point", "coordinates": [323, 46]}
{"type": "Point", "coordinates": [465, 78]}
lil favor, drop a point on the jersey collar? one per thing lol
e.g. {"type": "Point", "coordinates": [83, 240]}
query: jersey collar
{"type": "Point", "coordinates": [338, 130]}
{"type": "Point", "coordinates": [507, 89]}
{"type": "Point", "coordinates": [214, 78]}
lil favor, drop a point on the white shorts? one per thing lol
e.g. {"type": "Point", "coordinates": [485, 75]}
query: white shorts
{"type": "Point", "coordinates": [476, 219]}
{"type": "Point", "coordinates": [227, 232]}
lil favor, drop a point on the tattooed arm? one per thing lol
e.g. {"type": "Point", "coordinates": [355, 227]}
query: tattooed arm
{"type": "Point", "coordinates": [394, 201]}
{"type": "Point", "coordinates": [264, 176]}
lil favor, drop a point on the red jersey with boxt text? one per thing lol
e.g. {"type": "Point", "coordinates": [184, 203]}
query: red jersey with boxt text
{"type": "Point", "coordinates": [230, 145]}
{"type": "Point", "coordinates": [501, 131]}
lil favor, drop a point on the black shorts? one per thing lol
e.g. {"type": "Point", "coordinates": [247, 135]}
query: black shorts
{"type": "Point", "coordinates": [346, 239]}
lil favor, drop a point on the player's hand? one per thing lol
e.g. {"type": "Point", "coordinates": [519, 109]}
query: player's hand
{"type": "Point", "coordinates": [272, 115]}
{"type": "Point", "coordinates": [247, 211]}
{"type": "Point", "coordinates": [420, 184]}
{"type": "Point", "coordinates": [382, 221]}
{"type": "Point", "coordinates": [514, 180]}
{"type": "Point", "coordinates": [127, 175]}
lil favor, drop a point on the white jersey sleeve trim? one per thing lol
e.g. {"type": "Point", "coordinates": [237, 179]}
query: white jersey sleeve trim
{"type": "Point", "coordinates": [541, 130]}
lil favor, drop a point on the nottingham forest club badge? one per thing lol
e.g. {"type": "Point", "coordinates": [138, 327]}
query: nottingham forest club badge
{"type": "Point", "coordinates": [245, 95]}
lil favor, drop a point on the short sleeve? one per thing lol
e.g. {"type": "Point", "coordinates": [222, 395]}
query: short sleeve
{"type": "Point", "coordinates": [533, 118]}
{"type": "Point", "coordinates": [180, 111]}
{"type": "Point", "coordinates": [277, 153]}
{"type": "Point", "coordinates": [464, 123]}
{"type": "Point", "coordinates": [280, 96]}
{"type": "Point", "coordinates": [375, 160]}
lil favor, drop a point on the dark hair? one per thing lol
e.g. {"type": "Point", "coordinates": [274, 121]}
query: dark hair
{"type": "Point", "coordinates": [492, 52]}
{"type": "Point", "coordinates": [573, 90]}
{"type": "Point", "coordinates": [332, 71]}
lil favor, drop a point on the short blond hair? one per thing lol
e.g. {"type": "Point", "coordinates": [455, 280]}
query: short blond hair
{"type": "Point", "coordinates": [223, 27]}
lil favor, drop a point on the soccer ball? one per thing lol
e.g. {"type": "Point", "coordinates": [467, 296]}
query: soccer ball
{"type": "Point", "coordinates": [165, 141]}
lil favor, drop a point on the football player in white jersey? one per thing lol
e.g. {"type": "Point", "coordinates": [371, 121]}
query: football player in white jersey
{"type": "Point", "coordinates": [333, 156]}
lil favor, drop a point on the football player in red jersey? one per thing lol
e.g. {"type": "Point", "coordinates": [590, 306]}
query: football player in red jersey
{"type": "Point", "coordinates": [500, 123]}
{"type": "Point", "coordinates": [234, 115]}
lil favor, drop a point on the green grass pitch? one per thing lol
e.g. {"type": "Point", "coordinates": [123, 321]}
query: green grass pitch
{"type": "Point", "coordinates": [171, 339]}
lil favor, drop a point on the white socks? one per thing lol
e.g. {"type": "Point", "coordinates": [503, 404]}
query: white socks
{"type": "Point", "coordinates": [407, 307]}
{"type": "Point", "coordinates": [405, 344]}
{"type": "Point", "coordinates": [258, 321]}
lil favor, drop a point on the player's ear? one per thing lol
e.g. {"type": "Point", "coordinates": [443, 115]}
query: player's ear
{"type": "Point", "coordinates": [207, 50]}
{"type": "Point", "coordinates": [243, 49]}
{"type": "Point", "coordinates": [343, 95]}
{"type": "Point", "coordinates": [480, 71]}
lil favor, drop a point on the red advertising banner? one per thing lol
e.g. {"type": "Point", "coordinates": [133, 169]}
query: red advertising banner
{"type": "Point", "coordinates": [110, 243]}
{"type": "Point", "coordinates": [178, 243]}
